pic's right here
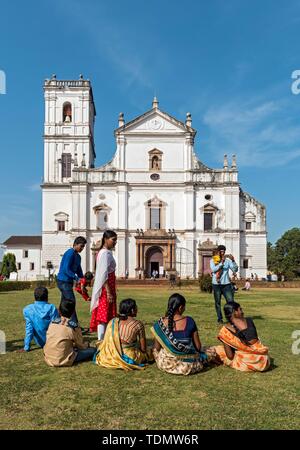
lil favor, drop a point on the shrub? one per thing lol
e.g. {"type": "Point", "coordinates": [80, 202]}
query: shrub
{"type": "Point", "coordinates": [188, 282]}
{"type": "Point", "coordinates": [43, 283]}
{"type": "Point", "coordinates": [205, 283]}
{"type": "Point", "coordinates": [6, 286]}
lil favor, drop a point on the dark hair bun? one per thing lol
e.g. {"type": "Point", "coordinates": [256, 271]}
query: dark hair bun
{"type": "Point", "coordinates": [229, 309]}
{"type": "Point", "coordinates": [126, 308]}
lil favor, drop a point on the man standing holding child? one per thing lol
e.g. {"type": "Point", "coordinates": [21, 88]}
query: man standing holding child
{"type": "Point", "coordinates": [221, 283]}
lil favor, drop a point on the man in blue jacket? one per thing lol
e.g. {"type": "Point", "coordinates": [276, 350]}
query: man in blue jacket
{"type": "Point", "coordinates": [69, 271]}
{"type": "Point", "coordinates": [38, 317]}
{"type": "Point", "coordinates": [222, 286]}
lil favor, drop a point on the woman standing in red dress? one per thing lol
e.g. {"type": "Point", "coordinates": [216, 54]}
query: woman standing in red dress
{"type": "Point", "coordinates": [103, 301]}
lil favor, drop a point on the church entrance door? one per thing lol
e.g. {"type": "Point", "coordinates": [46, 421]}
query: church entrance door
{"type": "Point", "coordinates": [155, 267]}
{"type": "Point", "coordinates": [206, 264]}
{"type": "Point", "coordinates": [154, 261]}
{"type": "Point", "coordinates": [205, 252]}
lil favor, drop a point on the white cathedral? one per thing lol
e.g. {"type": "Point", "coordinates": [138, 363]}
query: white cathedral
{"type": "Point", "coordinates": [170, 210]}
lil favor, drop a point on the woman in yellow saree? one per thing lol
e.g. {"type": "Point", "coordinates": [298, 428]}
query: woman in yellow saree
{"type": "Point", "coordinates": [241, 349]}
{"type": "Point", "coordinates": [124, 345]}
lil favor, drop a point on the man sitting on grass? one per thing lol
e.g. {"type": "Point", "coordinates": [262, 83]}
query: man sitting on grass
{"type": "Point", "coordinates": [38, 316]}
{"type": "Point", "coordinates": [64, 343]}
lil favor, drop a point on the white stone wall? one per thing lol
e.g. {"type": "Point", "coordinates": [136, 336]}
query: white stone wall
{"type": "Point", "coordinates": [34, 256]}
{"type": "Point", "coordinates": [253, 243]}
{"type": "Point", "coordinates": [128, 211]}
{"type": "Point", "coordinates": [254, 249]}
{"type": "Point", "coordinates": [137, 154]}
{"type": "Point", "coordinates": [56, 200]}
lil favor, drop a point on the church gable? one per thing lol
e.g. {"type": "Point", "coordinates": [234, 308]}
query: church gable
{"type": "Point", "coordinates": [154, 121]}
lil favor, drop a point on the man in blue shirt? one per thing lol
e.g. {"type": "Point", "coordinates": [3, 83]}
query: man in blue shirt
{"type": "Point", "coordinates": [222, 286]}
{"type": "Point", "coordinates": [69, 271]}
{"type": "Point", "coordinates": [38, 317]}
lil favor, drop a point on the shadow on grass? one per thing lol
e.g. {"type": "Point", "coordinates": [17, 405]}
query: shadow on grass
{"type": "Point", "coordinates": [12, 346]}
{"type": "Point", "coordinates": [272, 365]}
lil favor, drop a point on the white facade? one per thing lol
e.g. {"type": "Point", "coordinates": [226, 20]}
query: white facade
{"type": "Point", "coordinates": [154, 172]}
{"type": "Point", "coordinates": [28, 260]}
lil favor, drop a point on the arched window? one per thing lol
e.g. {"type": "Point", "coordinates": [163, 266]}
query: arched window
{"type": "Point", "coordinates": [61, 219]}
{"type": "Point", "coordinates": [155, 160]}
{"type": "Point", "coordinates": [209, 217]}
{"type": "Point", "coordinates": [155, 163]}
{"type": "Point", "coordinates": [102, 219]}
{"type": "Point", "coordinates": [66, 165]}
{"type": "Point", "coordinates": [155, 217]}
{"type": "Point", "coordinates": [67, 112]}
{"type": "Point", "coordinates": [250, 220]}
{"type": "Point", "coordinates": [155, 214]}
{"type": "Point", "coordinates": [102, 215]}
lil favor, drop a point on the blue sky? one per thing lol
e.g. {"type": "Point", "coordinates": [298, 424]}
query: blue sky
{"type": "Point", "coordinates": [229, 63]}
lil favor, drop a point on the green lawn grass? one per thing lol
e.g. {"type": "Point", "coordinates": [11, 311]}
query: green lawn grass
{"type": "Point", "coordinates": [35, 396]}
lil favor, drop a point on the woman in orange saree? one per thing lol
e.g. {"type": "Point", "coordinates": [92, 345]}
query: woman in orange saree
{"type": "Point", "coordinates": [242, 350]}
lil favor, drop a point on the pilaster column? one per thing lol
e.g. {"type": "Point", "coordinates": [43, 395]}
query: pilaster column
{"type": "Point", "coordinates": [59, 168]}
{"type": "Point", "coordinates": [189, 142]}
{"type": "Point", "coordinates": [122, 254]}
{"type": "Point", "coordinates": [122, 196]}
{"type": "Point", "coordinates": [173, 256]}
{"type": "Point", "coordinates": [189, 196]}
{"type": "Point", "coordinates": [143, 257]}
{"type": "Point", "coordinates": [56, 165]}
{"type": "Point", "coordinates": [137, 255]}
{"type": "Point", "coordinates": [199, 263]}
{"type": "Point", "coordinates": [121, 142]}
{"type": "Point", "coordinates": [51, 159]}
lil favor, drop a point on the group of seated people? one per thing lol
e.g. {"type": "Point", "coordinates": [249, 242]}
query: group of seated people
{"type": "Point", "coordinates": [176, 348]}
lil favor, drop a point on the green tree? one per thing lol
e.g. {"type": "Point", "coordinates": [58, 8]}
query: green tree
{"type": "Point", "coordinates": [8, 264]}
{"type": "Point", "coordinates": [287, 253]}
{"type": "Point", "coordinates": [272, 263]}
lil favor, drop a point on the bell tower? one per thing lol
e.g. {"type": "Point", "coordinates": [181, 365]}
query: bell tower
{"type": "Point", "coordinates": [69, 128]}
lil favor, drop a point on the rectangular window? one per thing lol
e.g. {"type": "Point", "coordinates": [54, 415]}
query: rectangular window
{"type": "Point", "coordinates": [61, 225]}
{"type": "Point", "coordinates": [66, 165]}
{"type": "Point", "coordinates": [208, 221]}
{"type": "Point", "coordinates": [245, 263]}
{"type": "Point", "coordinates": [248, 225]}
{"type": "Point", "coordinates": [155, 218]}
{"type": "Point", "coordinates": [25, 255]}
{"type": "Point", "coordinates": [102, 219]}
{"type": "Point", "coordinates": [19, 266]}
{"type": "Point", "coordinates": [31, 266]}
